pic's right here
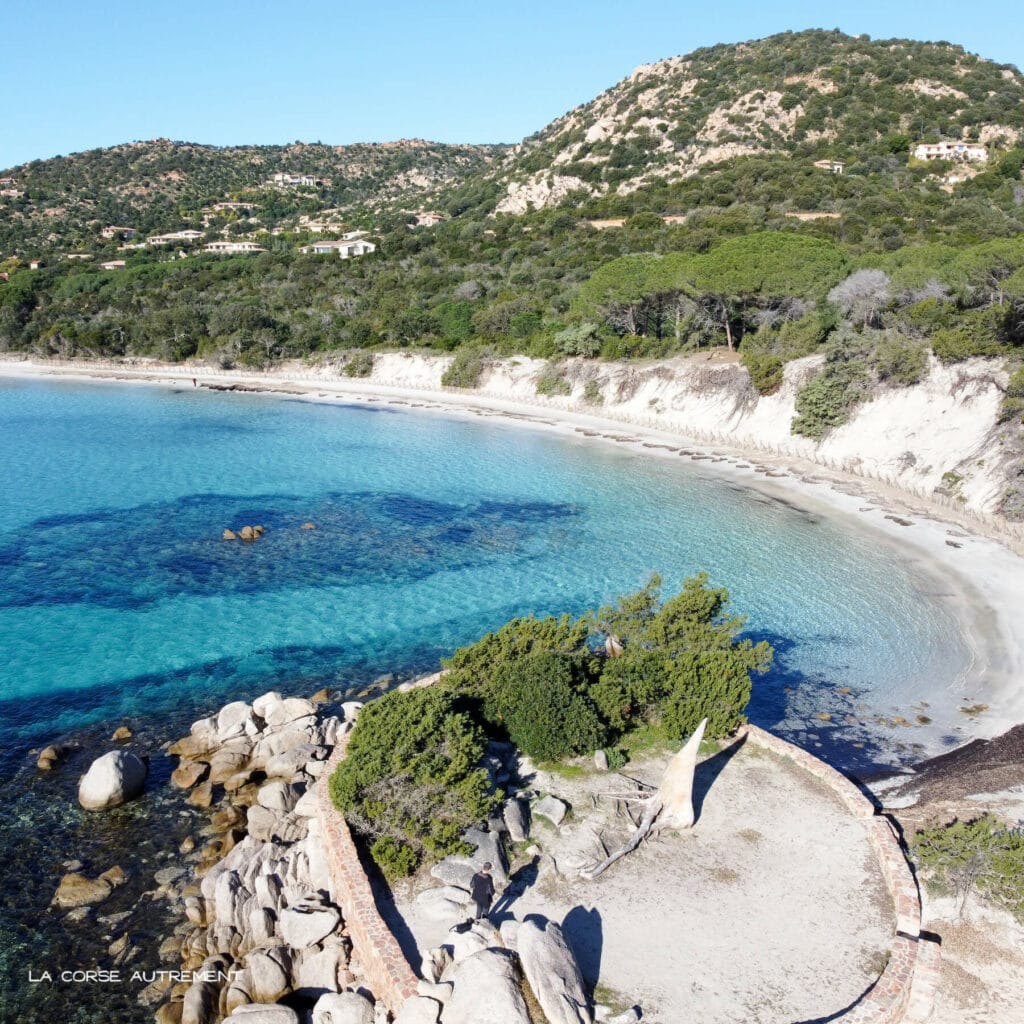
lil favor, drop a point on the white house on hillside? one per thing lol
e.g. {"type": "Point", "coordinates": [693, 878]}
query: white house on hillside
{"type": "Point", "coordinates": [832, 166]}
{"type": "Point", "coordinates": [233, 247]}
{"type": "Point", "coordinates": [176, 237]}
{"type": "Point", "coordinates": [346, 248]}
{"type": "Point", "coordinates": [969, 152]}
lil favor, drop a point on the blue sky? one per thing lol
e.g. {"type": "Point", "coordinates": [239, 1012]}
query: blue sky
{"type": "Point", "coordinates": [75, 75]}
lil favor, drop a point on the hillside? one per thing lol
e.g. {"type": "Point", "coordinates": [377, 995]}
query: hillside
{"type": "Point", "coordinates": [160, 186]}
{"type": "Point", "coordinates": [720, 230]}
{"type": "Point", "coordinates": [805, 96]}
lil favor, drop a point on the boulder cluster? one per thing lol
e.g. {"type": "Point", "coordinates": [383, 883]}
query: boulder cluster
{"type": "Point", "coordinates": [246, 533]}
{"type": "Point", "coordinates": [260, 923]}
{"type": "Point", "coordinates": [261, 940]}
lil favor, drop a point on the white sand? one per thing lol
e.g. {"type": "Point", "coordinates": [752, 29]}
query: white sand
{"type": "Point", "coordinates": [983, 577]}
{"type": "Point", "coordinates": [772, 909]}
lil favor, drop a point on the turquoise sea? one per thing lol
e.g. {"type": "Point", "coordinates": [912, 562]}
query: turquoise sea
{"type": "Point", "coordinates": [119, 596]}
{"type": "Point", "coordinates": [120, 602]}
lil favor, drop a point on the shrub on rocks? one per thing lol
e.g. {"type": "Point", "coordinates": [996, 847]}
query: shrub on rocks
{"type": "Point", "coordinates": [410, 781]}
{"type": "Point", "coordinates": [538, 701]}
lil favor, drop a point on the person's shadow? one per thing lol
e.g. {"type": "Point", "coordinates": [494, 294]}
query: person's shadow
{"type": "Point", "coordinates": [519, 881]}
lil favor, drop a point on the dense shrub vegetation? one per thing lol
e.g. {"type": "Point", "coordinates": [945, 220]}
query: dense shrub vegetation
{"type": "Point", "coordinates": [410, 781]}
{"type": "Point", "coordinates": [764, 252]}
{"type": "Point", "coordinates": [555, 687]}
{"type": "Point", "coordinates": [983, 856]}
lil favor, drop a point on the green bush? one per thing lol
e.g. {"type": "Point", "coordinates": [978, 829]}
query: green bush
{"type": "Point", "coordinates": [899, 360]}
{"type": "Point", "coordinates": [802, 337]}
{"type": "Point", "coordinates": [592, 393]}
{"type": "Point", "coordinates": [825, 401]}
{"type": "Point", "coordinates": [954, 345]}
{"type": "Point", "coordinates": [466, 368]}
{"type": "Point", "coordinates": [1013, 401]}
{"type": "Point", "coordinates": [537, 701]}
{"type": "Point", "coordinates": [578, 340]}
{"type": "Point", "coordinates": [551, 382]}
{"type": "Point", "coordinates": [766, 371]}
{"type": "Point", "coordinates": [681, 661]}
{"type": "Point", "coordinates": [410, 781]}
{"type": "Point", "coordinates": [928, 316]}
{"type": "Point", "coordinates": [359, 365]}
{"type": "Point", "coordinates": [471, 669]}
{"type": "Point", "coordinates": [977, 332]}
{"type": "Point", "coordinates": [982, 855]}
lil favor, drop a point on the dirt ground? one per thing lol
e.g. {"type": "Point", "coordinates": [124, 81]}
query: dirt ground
{"type": "Point", "coordinates": [771, 910]}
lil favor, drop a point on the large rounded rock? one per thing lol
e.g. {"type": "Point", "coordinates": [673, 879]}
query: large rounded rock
{"type": "Point", "coordinates": [487, 989]}
{"type": "Point", "coordinates": [552, 808]}
{"type": "Point", "coordinates": [188, 773]}
{"type": "Point", "coordinates": [263, 1013]}
{"type": "Point", "coordinates": [553, 973]}
{"type": "Point", "coordinates": [317, 972]}
{"type": "Point", "coordinates": [517, 822]}
{"type": "Point", "coordinates": [288, 710]}
{"type": "Point", "coordinates": [111, 780]}
{"type": "Point", "coordinates": [303, 926]}
{"type": "Point", "coordinates": [269, 980]}
{"type": "Point", "coordinates": [419, 1010]}
{"type": "Point", "coordinates": [343, 1008]}
{"type": "Point", "coordinates": [232, 720]}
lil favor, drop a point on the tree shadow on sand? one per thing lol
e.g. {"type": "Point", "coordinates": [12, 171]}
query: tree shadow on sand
{"type": "Point", "coordinates": [708, 771]}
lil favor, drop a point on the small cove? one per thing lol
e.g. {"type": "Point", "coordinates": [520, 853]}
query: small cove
{"type": "Point", "coordinates": [122, 604]}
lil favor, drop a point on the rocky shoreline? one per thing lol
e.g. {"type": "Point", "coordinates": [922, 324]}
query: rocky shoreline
{"type": "Point", "coordinates": [261, 930]}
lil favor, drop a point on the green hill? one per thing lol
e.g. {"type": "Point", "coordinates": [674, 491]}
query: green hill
{"type": "Point", "coordinates": [163, 186]}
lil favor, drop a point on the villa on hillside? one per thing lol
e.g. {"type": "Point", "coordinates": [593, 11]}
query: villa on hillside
{"type": "Point", "coordinates": [11, 193]}
{"type": "Point", "coordinates": [8, 182]}
{"type": "Point", "coordinates": [112, 231]}
{"type": "Point", "coordinates": [228, 207]}
{"type": "Point", "coordinates": [832, 166]}
{"type": "Point", "coordinates": [174, 237]}
{"type": "Point", "coordinates": [113, 265]}
{"type": "Point", "coordinates": [282, 179]}
{"type": "Point", "coordinates": [346, 248]}
{"type": "Point", "coordinates": [968, 152]}
{"type": "Point", "coordinates": [429, 218]}
{"type": "Point", "coordinates": [233, 247]}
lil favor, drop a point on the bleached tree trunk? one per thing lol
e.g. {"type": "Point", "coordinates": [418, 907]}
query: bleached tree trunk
{"type": "Point", "coordinates": [669, 806]}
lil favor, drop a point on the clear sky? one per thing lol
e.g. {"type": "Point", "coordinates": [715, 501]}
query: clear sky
{"type": "Point", "coordinates": [75, 74]}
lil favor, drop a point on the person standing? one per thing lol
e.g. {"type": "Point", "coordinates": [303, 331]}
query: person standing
{"type": "Point", "coordinates": [481, 888]}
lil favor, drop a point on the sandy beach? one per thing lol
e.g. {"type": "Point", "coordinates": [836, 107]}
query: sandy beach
{"type": "Point", "coordinates": [965, 560]}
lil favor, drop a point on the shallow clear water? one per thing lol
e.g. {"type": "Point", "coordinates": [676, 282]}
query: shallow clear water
{"type": "Point", "coordinates": [118, 595]}
{"type": "Point", "coordinates": [119, 602]}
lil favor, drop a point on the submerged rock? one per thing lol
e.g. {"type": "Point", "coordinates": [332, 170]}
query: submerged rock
{"type": "Point", "coordinates": [111, 780]}
{"type": "Point", "coordinates": [50, 755]}
{"type": "Point", "coordinates": [75, 890]}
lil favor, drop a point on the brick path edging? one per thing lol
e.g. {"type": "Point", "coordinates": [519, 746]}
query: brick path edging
{"type": "Point", "coordinates": [905, 990]}
{"type": "Point", "coordinates": [387, 972]}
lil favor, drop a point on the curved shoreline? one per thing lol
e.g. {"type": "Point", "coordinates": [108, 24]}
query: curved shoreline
{"type": "Point", "coordinates": [979, 575]}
